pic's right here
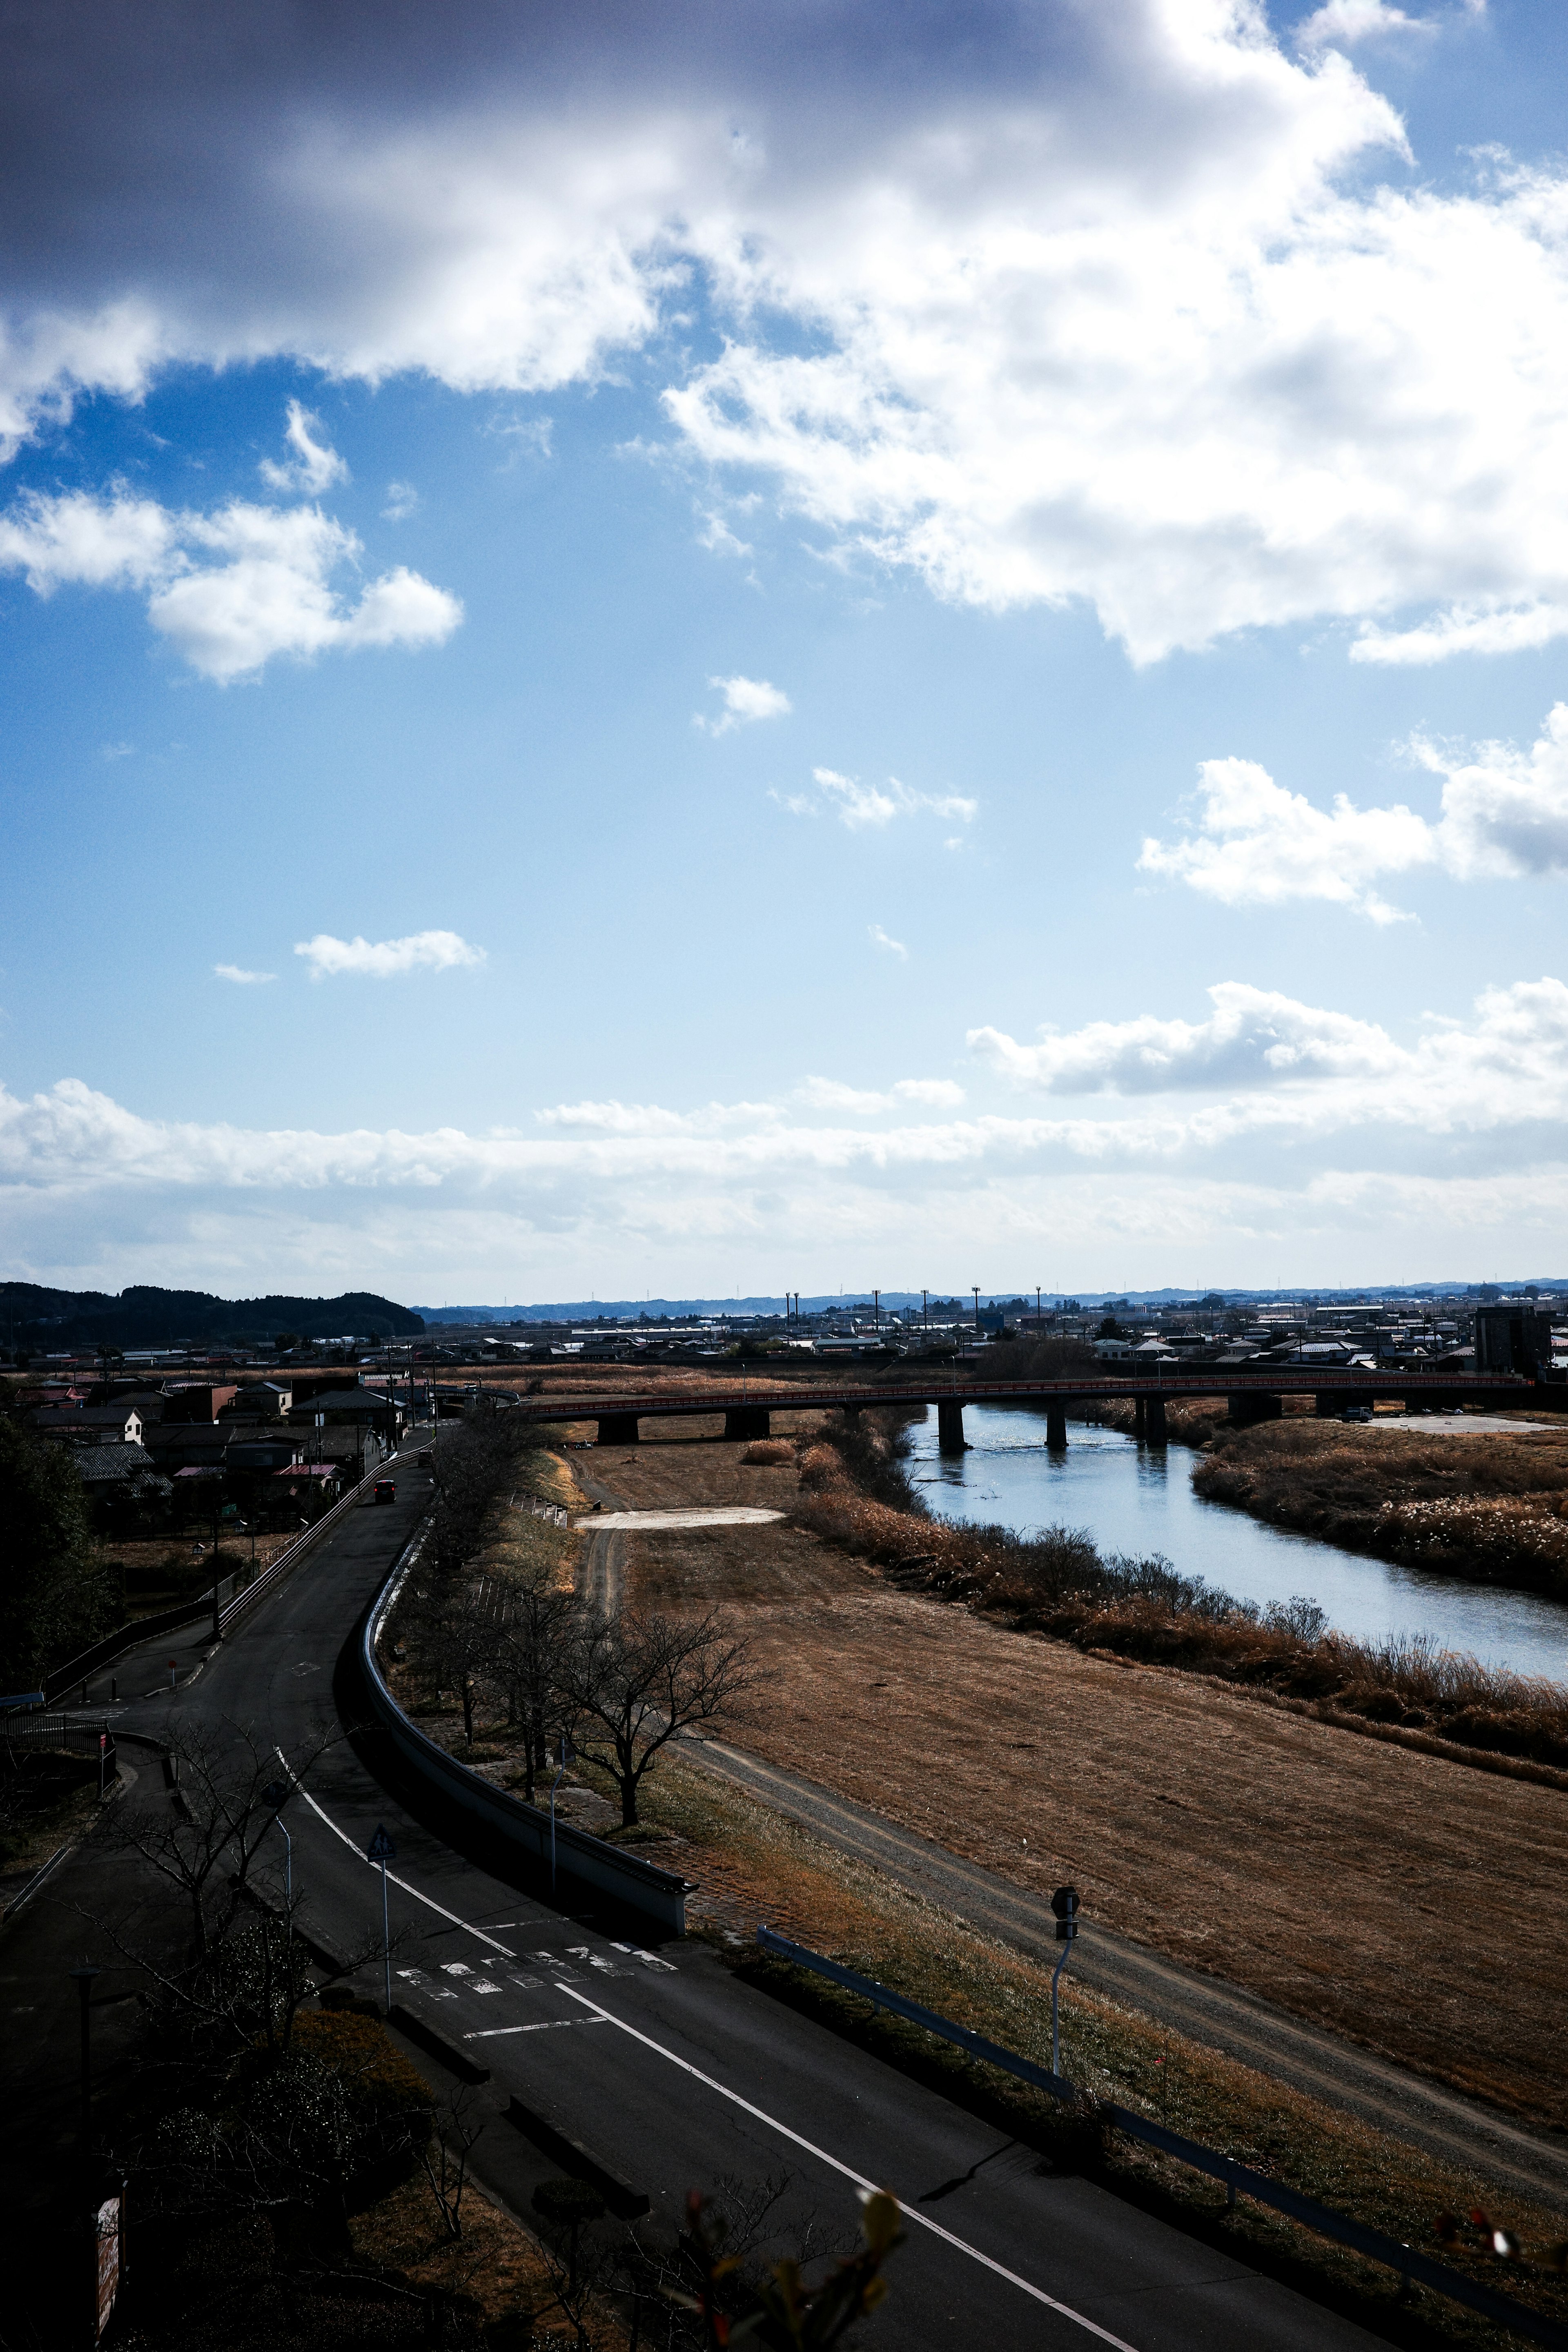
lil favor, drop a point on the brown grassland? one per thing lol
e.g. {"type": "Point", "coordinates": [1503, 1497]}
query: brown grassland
{"type": "Point", "coordinates": [1195, 1818]}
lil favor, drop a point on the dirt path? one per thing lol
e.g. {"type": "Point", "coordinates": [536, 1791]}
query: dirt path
{"type": "Point", "coordinates": [1394, 1899]}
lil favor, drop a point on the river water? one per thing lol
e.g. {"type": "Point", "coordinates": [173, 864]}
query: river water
{"type": "Point", "coordinates": [1138, 1498]}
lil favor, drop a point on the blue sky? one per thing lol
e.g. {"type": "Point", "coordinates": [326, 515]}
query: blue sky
{"type": "Point", "coordinates": [849, 649]}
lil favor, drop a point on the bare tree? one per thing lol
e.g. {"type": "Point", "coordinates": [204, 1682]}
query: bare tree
{"type": "Point", "coordinates": [459, 1636]}
{"type": "Point", "coordinates": [538, 1627]}
{"type": "Point", "coordinates": [633, 1682]}
{"type": "Point", "coordinates": [243, 1972]}
{"type": "Point", "coordinates": [458, 2123]}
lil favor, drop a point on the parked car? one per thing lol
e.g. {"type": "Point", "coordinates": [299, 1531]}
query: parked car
{"type": "Point", "coordinates": [1358, 1412]}
{"type": "Point", "coordinates": [384, 1491]}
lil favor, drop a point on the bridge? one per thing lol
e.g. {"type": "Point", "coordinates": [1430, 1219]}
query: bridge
{"type": "Point", "coordinates": [1251, 1396]}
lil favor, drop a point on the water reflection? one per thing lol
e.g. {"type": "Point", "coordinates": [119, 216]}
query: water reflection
{"type": "Point", "coordinates": [1139, 1498]}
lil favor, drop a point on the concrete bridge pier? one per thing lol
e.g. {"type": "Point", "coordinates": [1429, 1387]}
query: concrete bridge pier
{"type": "Point", "coordinates": [950, 1426]}
{"type": "Point", "coordinates": [1327, 1406]}
{"type": "Point", "coordinates": [1247, 1407]}
{"type": "Point", "coordinates": [851, 1411]}
{"type": "Point", "coordinates": [1140, 1416]}
{"type": "Point", "coordinates": [1154, 1419]}
{"type": "Point", "coordinates": [1057, 1426]}
{"type": "Point", "coordinates": [617, 1428]}
{"type": "Point", "coordinates": [747, 1421]}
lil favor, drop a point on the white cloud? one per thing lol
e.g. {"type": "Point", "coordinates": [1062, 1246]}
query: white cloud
{"type": "Point", "coordinates": [117, 750]}
{"type": "Point", "coordinates": [649, 1119]}
{"type": "Point", "coordinates": [1252, 1037]}
{"type": "Point", "coordinates": [745, 700]}
{"type": "Point", "coordinates": [1281, 1067]}
{"type": "Point", "coordinates": [402, 500]}
{"type": "Point", "coordinates": [1477, 629]}
{"type": "Point", "coordinates": [1283, 1140]}
{"type": "Point", "coordinates": [1122, 304]}
{"type": "Point", "coordinates": [1504, 816]}
{"type": "Point", "coordinates": [831, 1094]}
{"type": "Point", "coordinates": [879, 938]}
{"type": "Point", "coordinates": [719, 538]}
{"type": "Point", "coordinates": [243, 979]}
{"type": "Point", "coordinates": [387, 959]}
{"type": "Point", "coordinates": [268, 591]}
{"type": "Point", "coordinates": [856, 805]}
{"type": "Point", "coordinates": [315, 466]}
{"type": "Point", "coordinates": [1259, 846]}
{"type": "Point", "coordinates": [1340, 24]}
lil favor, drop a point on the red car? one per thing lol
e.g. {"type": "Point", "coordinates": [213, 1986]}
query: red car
{"type": "Point", "coordinates": [384, 1491]}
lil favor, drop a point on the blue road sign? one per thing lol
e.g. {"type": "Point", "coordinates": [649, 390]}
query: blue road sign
{"type": "Point", "coordinates": [381, 1848]}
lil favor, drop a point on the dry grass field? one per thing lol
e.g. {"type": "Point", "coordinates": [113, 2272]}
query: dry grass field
{"type": "Point", "coordinates": [1490, 1506]}
{"type": "Point", "coordinates": [1413, 1903]}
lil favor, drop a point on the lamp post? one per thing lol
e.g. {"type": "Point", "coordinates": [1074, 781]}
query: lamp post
{"type": "Point", "coordinates": [276, 1793]}
{"type": "Point", "coordinates": [1064, 1904]}
{"type": "Point", "coordinates": [381, 1850]}
{"type": "Point", "coordinates": [84, 1979]}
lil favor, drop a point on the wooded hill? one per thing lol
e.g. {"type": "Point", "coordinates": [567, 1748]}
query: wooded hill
{"type": "Point", "coordinates": [37, 1320]}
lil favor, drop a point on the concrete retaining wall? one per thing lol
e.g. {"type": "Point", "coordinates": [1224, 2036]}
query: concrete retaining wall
{"type": "Point", "coordinates": [581, 1861]}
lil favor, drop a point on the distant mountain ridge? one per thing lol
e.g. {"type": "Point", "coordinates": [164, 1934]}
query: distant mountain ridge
{"type": "Point", "coordinates": [37, 1320]}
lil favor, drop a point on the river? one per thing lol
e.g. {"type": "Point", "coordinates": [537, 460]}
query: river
{"type": "Point", "coordinates": [1138, 1498]}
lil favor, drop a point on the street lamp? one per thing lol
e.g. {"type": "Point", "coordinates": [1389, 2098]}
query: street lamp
{"type": "Point", "coordinates": [278, 1793]}
{"type": "Point", "coordinates": [1064, 1904]}
{"type": "Point", "coordinates": [84, 1979]}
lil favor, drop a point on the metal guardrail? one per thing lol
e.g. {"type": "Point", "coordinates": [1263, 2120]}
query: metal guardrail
{"type": "Point", "coordinates": [1413, 2268]}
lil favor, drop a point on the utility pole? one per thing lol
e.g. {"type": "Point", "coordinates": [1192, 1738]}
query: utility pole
{"type": "Point", "coordinates": [975, 1288]}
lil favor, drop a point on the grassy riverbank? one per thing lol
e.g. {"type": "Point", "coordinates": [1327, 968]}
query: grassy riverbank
{"type": "Point", "coordinates": [1491, 1508]}
{"type": "Point", "coordinates": [856, 1496]}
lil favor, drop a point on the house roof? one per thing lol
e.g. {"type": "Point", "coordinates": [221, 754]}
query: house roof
{"type": "Point", "coordinates": [103, 1465]}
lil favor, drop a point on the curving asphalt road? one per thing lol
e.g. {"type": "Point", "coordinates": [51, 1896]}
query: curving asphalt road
{"type": "Point", "coordinates": [673, 2070]}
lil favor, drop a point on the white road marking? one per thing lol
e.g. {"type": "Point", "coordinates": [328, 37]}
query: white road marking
{"type": "Point", "coordinates": [495, 2033]}
{"type": "Point", "coordinates": [427, 1900]}
{"type": "Point", "coordinates": [606, 2017]}
{"type": "Point", "coordinates": [743, 1515]}
{"type": "Point", "coordinates": [922, 2220]}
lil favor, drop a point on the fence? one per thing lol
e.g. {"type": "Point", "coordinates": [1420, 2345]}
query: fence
{"type": "Point", "coordinates": [1413, 2268]}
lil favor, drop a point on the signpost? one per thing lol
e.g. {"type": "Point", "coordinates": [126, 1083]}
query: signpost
{"type": "Point", "coordinates": [1064, 1904]}
{"type": "Point", "coordinates": [381, 1850]}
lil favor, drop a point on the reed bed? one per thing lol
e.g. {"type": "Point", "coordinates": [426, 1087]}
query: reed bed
{"type": "Point", "coordinates": [855, 1495]}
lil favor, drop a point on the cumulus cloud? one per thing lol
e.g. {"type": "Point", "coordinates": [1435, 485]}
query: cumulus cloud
{"type": "Point", "coordinates": [1476, 628]}
{"type": "Point", "coordinates": [402, 500]}
{"type": "Point", "coordinates": [1340, 1151]}
{"type": "Point", "coordinates": [314, 467]}
{"type": "Point", "coordinates": [387, 959]}
{"type": "Point", "coordinates": [1504, 816]}
{"type": "Point", "coordinates": [1126, 304]}
{"type": "Point", "coordinates": [1258, 845]}
{"type": "Point", "coordinates": [859, 805]}
{"type": "Point", "coordinates": [1278, 1065]}
{"type": "Point", "coordinates": [650, 1118]}
{"type": "Point", "coordinates": [229, 590]}
{"type": "Point", "coordinates": [745, 700]}
{"type": "Point", "coordinates": [831, 1094]}
{"type": "Point", "coordinates": [242, 978]}
{"type": "Point", "coordinates": [1340, 24]}
{"type": "Point", "coordinates": [880, 939]}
